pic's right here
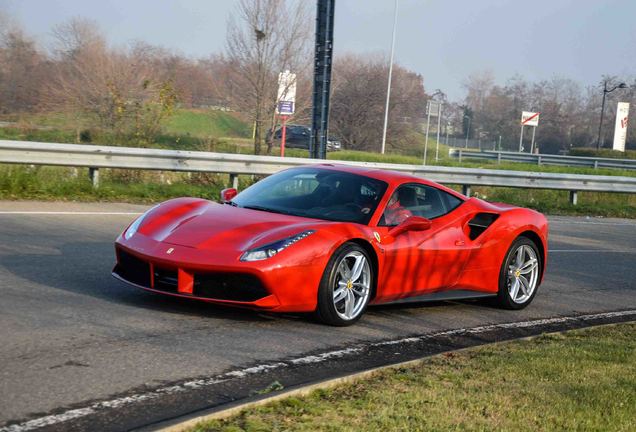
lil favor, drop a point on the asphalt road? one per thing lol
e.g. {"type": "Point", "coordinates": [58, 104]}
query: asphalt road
{"type": "Point", "coordinates": [70, 333]}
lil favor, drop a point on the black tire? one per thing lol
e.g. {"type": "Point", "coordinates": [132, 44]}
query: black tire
{"type": "Point", "coordinates": [326, 310]}
{"type": "Point", "coordinates": [504, 299]}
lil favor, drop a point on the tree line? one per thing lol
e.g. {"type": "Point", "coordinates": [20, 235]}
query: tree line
{"type": "Point", "coordinates": [131, 90]}
{"type": "Point", "coordinates": [570, 112]}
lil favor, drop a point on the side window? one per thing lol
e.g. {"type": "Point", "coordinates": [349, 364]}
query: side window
{"type": "Point", "coordinates": [417, 200]}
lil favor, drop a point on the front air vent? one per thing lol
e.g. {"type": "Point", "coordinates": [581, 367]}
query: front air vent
{"type": "Point", "coordinates": [229, 286]}
{"type": "Point", "coordinates": [480, 223]}
{"type": "Point", "coordinates": [166, 280]}
{"type": "Point", "coordinates": [132, 269]}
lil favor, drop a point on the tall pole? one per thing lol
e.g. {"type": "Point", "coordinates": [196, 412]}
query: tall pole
{"type": "Point", "coordinates": [283, 137]}
{"type": "Point", "coordinates": [534, 130]}
{"type": "Point", "coordinates": [605, 92]}
{"type": "Point", "coordinates": [439, 121]}
{"type": "Point", "coordinates": [322, 78]}
{"type": "Point", "coordinates": [447, 128]}
{"type": "Point", "coordinates": [428, 123]}
{"type": "Point", "coordinates": [468, 131]}
{"type": "Point", "coordinates": [388, 87]}
{"type": "Point", "coordinates": [521, 139]}
{"type": "Point", "coordinates": [600, 125]}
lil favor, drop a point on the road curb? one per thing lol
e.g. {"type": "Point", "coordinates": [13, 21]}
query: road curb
{"type": "Point", "coordinates": [182, 423]}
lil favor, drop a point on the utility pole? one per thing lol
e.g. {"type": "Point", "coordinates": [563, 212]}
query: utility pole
{"type": "Point", "coordinates": [428, 123]}
{"type": "Point", "coordinates": [439, 122]}
{"type": "Point", "coordinates": [467, 130]}
{"type": "Point", "coordinates": [322, 78]}
{"type": "Point", "coordinates": [447, 128]}
{"type": "Point", "coordinates": [605, 92]}
{"type": "Point", "coordinates": [388, 88]}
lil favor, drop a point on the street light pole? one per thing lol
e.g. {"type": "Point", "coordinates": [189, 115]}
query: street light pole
{"type": "Point", "coordinates": [467, 130]}
{"type": "Point", "coordinates": [388, 89]}
{"type": "Point", "coordinates": [605, 92]}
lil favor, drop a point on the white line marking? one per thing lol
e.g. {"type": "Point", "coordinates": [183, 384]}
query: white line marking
{"type": "Point", "coordinates": [81, 213]}
{"type": "Point", "coordinates": [553, 221]}
{"type": "Point", "coordinates": [255, 370]}
{"type": "Point", "coordinates": [589, 250]}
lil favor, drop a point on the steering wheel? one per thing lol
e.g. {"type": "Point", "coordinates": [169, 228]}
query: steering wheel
{"type": "Point", "coordinates": [354, 207]}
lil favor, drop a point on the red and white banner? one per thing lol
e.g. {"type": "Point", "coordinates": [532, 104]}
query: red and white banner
{"type": "Point", "coordinates": [620, 130]}
{"type": "Point", "coordinates": [530, 118]}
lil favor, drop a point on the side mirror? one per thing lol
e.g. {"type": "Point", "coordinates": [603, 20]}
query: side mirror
{"type": "Point", "coordinates": [228, 195]}
{"type": "Point", "coordinates": [413, 223]}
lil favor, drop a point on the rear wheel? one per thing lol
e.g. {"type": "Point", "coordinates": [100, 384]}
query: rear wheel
{"type": "Point", "coordinates": [519, 274]}
{"type": "Point", "coordinates": [345, 286]}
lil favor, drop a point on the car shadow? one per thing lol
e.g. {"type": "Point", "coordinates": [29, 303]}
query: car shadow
{"type": "Point", "coordinates": [85, 268]}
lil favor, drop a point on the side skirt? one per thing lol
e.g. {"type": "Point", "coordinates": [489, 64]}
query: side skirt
{"type": "Point", "coordinates": [442, 296]}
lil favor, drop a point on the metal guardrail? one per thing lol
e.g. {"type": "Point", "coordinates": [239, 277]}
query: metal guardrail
{"type": "Point", "coordinates": [544, 159]}
{"type": "Point", "coordinates": [96, 157]}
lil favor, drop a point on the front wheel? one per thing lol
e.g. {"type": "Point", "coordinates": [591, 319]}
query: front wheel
{"type": "Point", "coordinates": [345, 286]}
{"type": "Point", "coordinates": [519, 275]}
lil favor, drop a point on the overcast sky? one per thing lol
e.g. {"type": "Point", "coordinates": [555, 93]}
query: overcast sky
{"type": "Point", "coordinates": [445, 41]}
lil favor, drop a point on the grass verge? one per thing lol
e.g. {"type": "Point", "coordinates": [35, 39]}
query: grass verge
{"type": "Point", "coordinates": [57, 183]}
{"type": "Point", "coordinates": [62, 184]}
{"type": "Point", "coordinates": [579, 380]}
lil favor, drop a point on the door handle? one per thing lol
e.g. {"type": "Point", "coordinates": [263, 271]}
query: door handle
{"type": "Point", "coordinates": [459, 243]}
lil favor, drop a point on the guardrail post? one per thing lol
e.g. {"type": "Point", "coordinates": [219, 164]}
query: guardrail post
{"type": "Point", "coordinates": [460, 155]}
{"type": "Point", "coordinates": [539, 160]}
{"type": "Point", "coordinates": [466, 190]}
{"type": "Point", "coordinates": [595, 164]}
{"type": "Point", "coordinates": [574, 197]}
{"type": "Point", "coordinates": [498, 158]}
{"type": "Point", "coordinates": [234, 180]}
{"type": "Point", "coordinates": [93, 174]}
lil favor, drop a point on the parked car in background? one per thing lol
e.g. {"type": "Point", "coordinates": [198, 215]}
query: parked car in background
{"type": "Point", "coordinates": [298, 136]}
{"type": "Point", "coordinates": [333, 144]}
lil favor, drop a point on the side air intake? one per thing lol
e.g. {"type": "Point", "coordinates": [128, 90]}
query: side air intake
{"type": "Point", "coordinates": [480, 223]}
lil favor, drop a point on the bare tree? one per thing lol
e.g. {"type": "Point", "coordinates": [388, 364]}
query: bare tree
{"type": "Point", "coordinates": [358, 98]}
{"type": "Point", "coordinates": [21, 69]}
{"type": "Point", "coordinates": [265, 37]}
{"type": "Point", "coordinates": [118, 91]}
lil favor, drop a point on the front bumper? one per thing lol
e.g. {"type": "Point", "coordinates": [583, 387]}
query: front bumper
{"type": "Point", "coordinates": [278, 284]}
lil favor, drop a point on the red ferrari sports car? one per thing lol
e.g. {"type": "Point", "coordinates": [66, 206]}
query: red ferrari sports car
{"type": "Point", "coordinates": [333, 239]}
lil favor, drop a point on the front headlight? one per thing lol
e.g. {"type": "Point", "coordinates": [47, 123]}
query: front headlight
{"type": "Point", "coordinates": [271, 249]}
{"type": "Point", "coordinates": [132, 229]}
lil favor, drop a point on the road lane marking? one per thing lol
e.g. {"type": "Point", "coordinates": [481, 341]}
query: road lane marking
{"type": "Point", "coordinates": [84, 213]}
{"type": "Point", "coordinates": [590, 250]}
{"type": "Point", "coordinates": [255, 370]}
{"type": "Point", "coordinates": [553, 221]}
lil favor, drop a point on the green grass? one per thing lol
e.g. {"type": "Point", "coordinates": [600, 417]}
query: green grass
{"type": "Point", "coordinates": [52, 120]}
{"type": "Point", "coordinates": [556, 202]}
{"type": "Point", "coordinates": [206, 123]}
{"type": "Point", "coordinates": [39, 135]}
{"type": "Point", "coordinates": [580, 380]}
{"type": "Point", "coordinates": [55, 183]}
{"type": "Point", "coordinates": [603, 153]}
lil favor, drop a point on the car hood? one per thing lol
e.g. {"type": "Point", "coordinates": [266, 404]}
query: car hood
{"type": "Point", "coordinates": [208, 225]}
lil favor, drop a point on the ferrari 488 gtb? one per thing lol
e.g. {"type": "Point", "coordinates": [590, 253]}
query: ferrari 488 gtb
{"type": "Point", "coordinates": [334, 239]}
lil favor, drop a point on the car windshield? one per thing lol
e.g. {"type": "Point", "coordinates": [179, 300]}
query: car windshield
{"type": "Point", "coordinates": [315, 193]}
